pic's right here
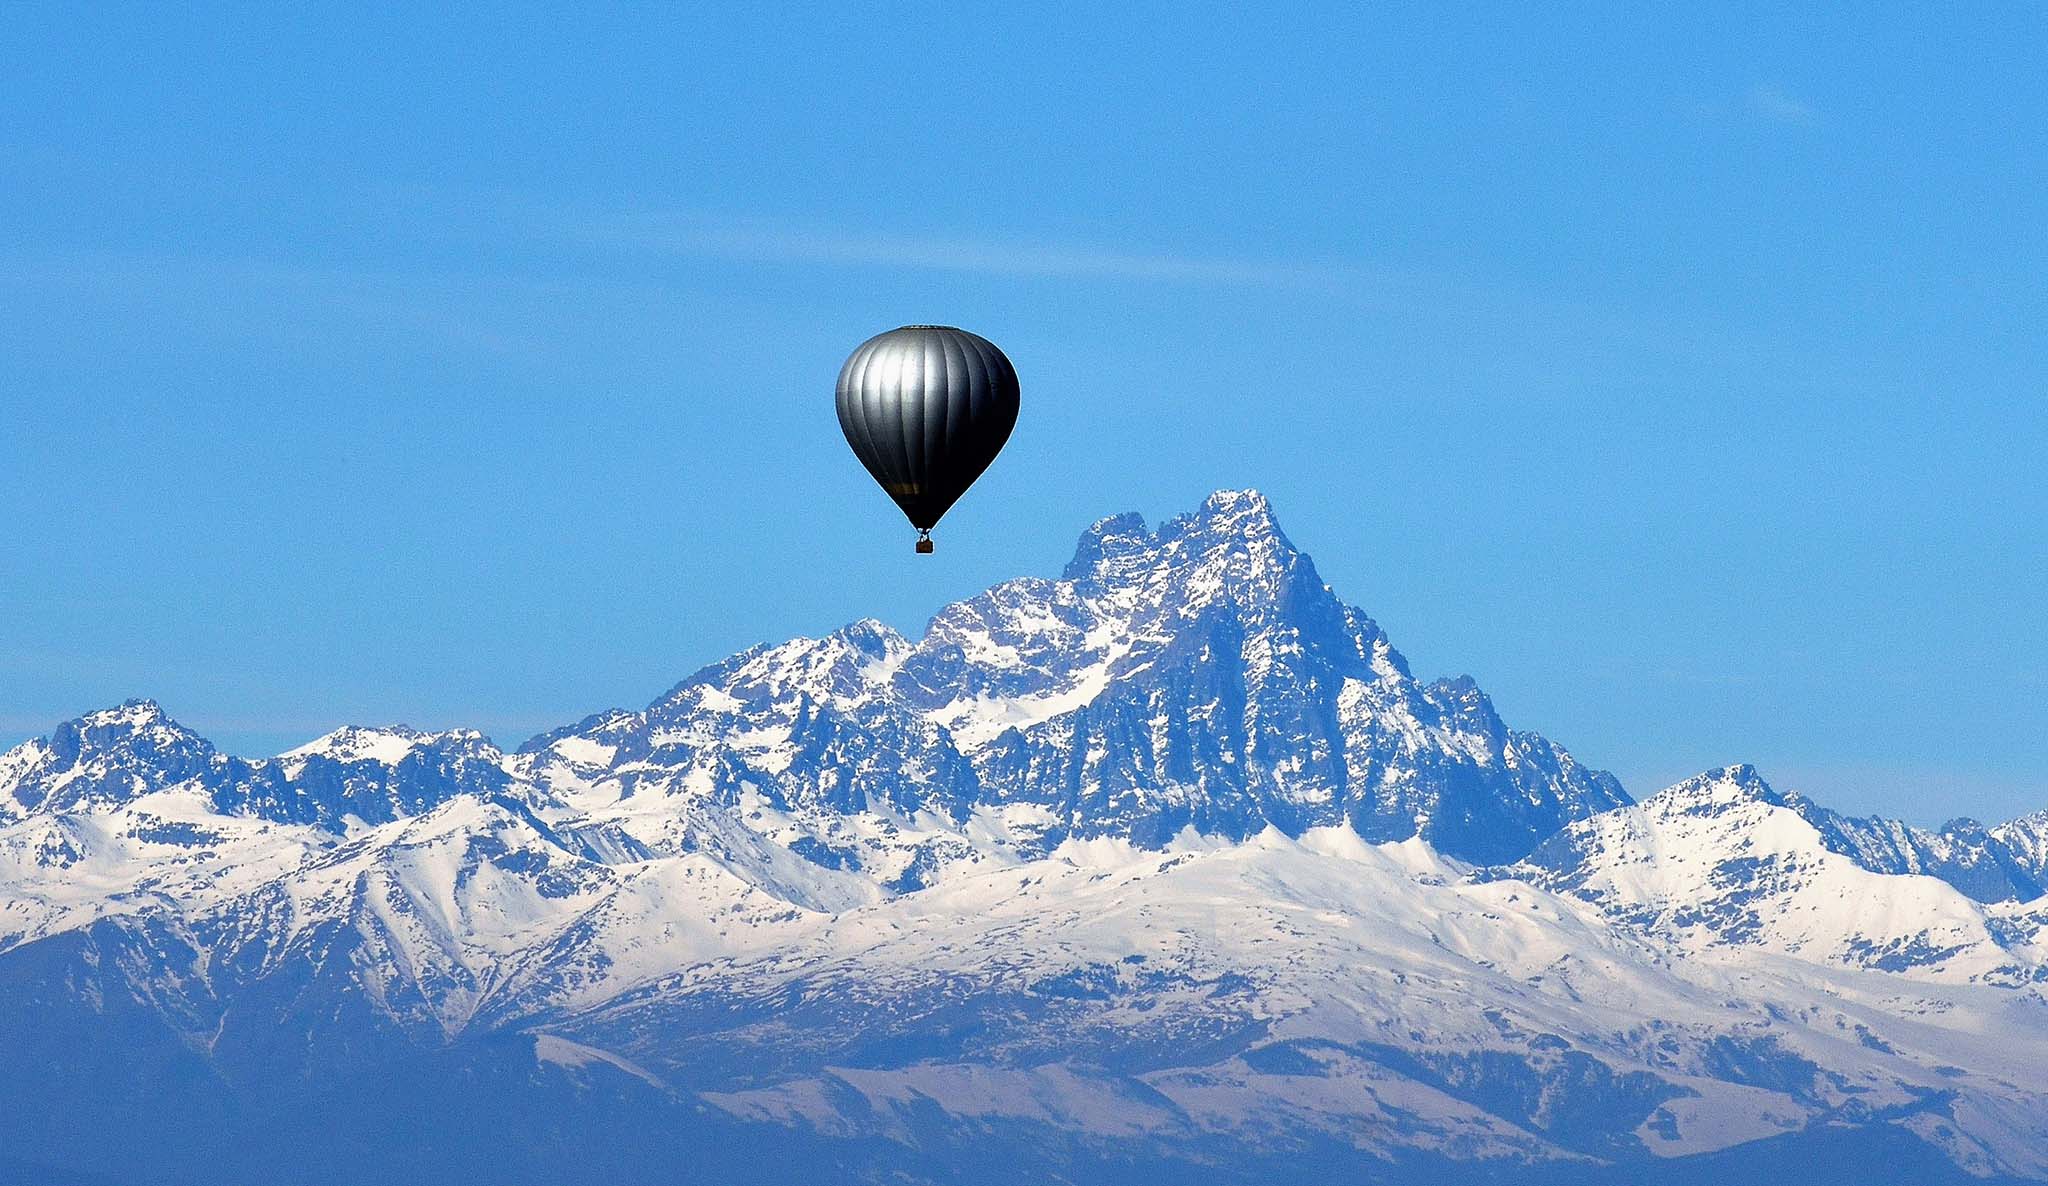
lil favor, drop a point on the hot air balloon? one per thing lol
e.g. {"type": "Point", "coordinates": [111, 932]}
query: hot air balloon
{"type": "Point", "coordinates": [926, 409]}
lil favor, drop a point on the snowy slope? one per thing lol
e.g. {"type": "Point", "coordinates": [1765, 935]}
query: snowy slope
{"type": "Point", "coordinates": [1371, 993]}
{"type": "Point", "coordinates": [1723, 860]}
{"type": "Point", "coordinates": [1203, 675]}
{"type": "Point", "coordinates": [1172, 856]}
{"type": "Point", "coordinates": [1990, 865]}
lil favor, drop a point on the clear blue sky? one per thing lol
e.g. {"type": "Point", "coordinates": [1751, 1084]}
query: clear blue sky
{"type": "Point", "coordinates": [1679, 376]}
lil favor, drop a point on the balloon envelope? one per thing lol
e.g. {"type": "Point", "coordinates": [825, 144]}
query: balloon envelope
{"type": "Point", "coordinates": [926, 409]}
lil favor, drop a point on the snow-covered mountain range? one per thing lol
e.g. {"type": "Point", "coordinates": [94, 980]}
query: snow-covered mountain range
{"type": "Point", "coordinates": [1168, 865]}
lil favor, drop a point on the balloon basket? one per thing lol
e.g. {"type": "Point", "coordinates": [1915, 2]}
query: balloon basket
{"type": "Point", "coordinates": [924, 547]}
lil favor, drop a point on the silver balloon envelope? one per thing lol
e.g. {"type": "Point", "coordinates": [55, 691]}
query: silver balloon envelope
{"type": "Point", "coordinates": [926, 408]}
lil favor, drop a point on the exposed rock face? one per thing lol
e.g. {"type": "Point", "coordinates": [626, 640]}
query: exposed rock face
{"type": "Point", "coordinates": [1167, 866]}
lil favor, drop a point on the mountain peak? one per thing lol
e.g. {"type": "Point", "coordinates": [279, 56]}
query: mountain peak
{"type": "Point", "coordinates": [1717, 789]}
{"type": "Point", "coordinates": [1197, 674]}
{"type": "Point", "coordinates": [354, 743]}
{"type": "Point", "coordinates": [871, 637]}
{"type": "Point", "coordinates": [126, 723]}
{"type": "Point", "coordinates": [1234, 520]}
{"type": "Point", "coordinates": [1106, 541]}
{"type": "Point", "coordinates": [136, 713]}
{"type": "Point", "coordinates": [1202, 675]}
{"type": "Point", "coordinates": [1237, 504]}
{"type": "Point", "coordinates": [1234, 539]}
{"type": "Point", "coordinates": [1234, 516]}
{"type": "Point", "coordinates": [111, 754]}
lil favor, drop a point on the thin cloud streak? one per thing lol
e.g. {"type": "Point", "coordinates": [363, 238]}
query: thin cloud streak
{"type": "Point", "coordinates": [1765, 102]}
{"type": "Point", "coordinates": [1773, 103]}
{"type": "Point", "coordinates": [300, 301]}
{"type": "Point", "coordinates": [763, 242]}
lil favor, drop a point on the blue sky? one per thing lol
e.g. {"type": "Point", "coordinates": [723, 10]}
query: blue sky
{"type": "Point", "coordinates": [1678, 376]}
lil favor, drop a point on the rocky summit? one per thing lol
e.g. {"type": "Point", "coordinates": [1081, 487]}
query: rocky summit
{"type": "Point", "coordinates": [1167, 866]}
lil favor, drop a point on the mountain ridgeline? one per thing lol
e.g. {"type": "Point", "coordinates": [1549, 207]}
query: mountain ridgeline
{"type": "Point", "coordinates": [1168, 865]}
{"type": "Point", "coordinates": [1201, 677]}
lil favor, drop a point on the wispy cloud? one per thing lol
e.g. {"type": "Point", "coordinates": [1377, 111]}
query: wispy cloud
{"type": "Point", "coordinates": [762, 241]}
{"type": "Point", "coordinates": [1763, 102]}
{"type": "Point", "coordinates": [1772, 102]}
{"type": "Point", "coordinates": [306, 300]}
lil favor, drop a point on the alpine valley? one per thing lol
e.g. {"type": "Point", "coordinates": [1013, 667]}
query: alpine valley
{"type": "Point", "coordinates": [1166, 870]}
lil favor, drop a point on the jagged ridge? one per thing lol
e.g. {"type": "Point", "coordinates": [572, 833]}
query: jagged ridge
{"type": "Point", "coordinates": [1180, 816]}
